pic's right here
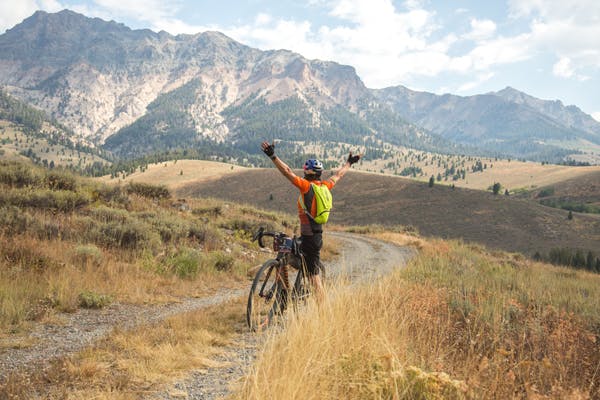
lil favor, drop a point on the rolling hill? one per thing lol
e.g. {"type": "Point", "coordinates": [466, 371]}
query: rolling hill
{"type": "Point", "coordinates": [500, 222]}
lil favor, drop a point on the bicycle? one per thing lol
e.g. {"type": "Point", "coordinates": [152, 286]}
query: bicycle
{"type": "Point", "coordinates": [271, 292]}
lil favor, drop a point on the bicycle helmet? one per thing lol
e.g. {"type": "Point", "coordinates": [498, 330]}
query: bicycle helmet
{"type": "Point", "coordinates": [313, 165]}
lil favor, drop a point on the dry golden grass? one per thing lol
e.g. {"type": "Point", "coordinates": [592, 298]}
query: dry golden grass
{"type": "Point", "coordinates": [119, 247]}
{"type": "Point", "coordinates": [55, 285]}
{"type": "Point", "coordinates": [131, 364]}
{"type": "Point", "coordinates": [458, 323]}
{"type": "Point", "coordinates": [511, 174]}
{"type": "Point", "coordinates": [516, 175]}
{"type": "Point", "coordinates": [170, 173]}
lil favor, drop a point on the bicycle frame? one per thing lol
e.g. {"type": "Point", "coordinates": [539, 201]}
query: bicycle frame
{"type": "Point", "coordinates": [288, 253]}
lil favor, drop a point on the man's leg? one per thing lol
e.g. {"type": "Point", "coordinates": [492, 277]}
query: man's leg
{"type": "Point", "coordinates": [311, 248]}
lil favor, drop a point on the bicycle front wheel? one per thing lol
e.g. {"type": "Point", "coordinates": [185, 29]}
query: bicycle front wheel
{"type": "Point", "coordinates": [265, 300]}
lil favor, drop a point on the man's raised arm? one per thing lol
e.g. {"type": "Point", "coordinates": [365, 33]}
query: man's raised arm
{"type": "Point", "coordinates": [269, 150]}
{"type": "Point", "coordinates": [342, 171]}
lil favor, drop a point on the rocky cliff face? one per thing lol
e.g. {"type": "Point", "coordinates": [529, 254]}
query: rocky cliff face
{"type": "Point", "coordinates": [98, 77]}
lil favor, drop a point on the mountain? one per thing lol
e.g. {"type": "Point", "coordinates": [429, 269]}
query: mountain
{"type": "Point", "coordinates": [508, 121]}
{"type": "Point", "coordinates": [142, 91]}
{"type": "Point", "coordinates": [138, 92]}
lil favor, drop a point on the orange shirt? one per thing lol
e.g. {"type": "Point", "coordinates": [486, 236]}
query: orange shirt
{"type": "Point", "coordinates": [306, 225]}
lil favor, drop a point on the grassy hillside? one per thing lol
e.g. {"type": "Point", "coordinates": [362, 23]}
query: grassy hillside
{"type": "Point", "coordinates": [68, 242]}
{"type": "Point", "coordinates": [459, 170]}
{"type": "Point", "coordinates": [28, 133]}
{"type": "Point", "coordinates": [458, 323]}
{"type": "Point", "coordinates": [577, 194]}
{"type": "Point", "coordinates": [18, 144]}
{"type": "Point", "coordinates": [500, 222]}
{"type": "Point", "coordinates": [177, 174]}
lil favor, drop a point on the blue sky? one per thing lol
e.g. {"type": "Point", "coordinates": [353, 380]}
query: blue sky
{"type": "Point", "coordinates": [547, 48]}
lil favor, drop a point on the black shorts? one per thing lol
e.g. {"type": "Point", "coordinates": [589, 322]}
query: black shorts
{"type": "Point", "coordinates": [311, 248]}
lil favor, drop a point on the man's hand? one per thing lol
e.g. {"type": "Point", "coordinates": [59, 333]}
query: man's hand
{"type": "Point", "coordinates": [354, 159]}
{"type": "Point", "coordinates": [268, 149]}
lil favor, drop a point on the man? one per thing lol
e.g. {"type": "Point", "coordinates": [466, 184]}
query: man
{"type": "Point", "coordinates": [312, 232]}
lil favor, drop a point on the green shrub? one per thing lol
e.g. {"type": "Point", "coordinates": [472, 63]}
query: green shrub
{"type": "Point", "coordinates": [110, 194]}
{"type": "Point", "coordinates": [127, 235]}
{"type": "Point", "coordinates": [186, 263]}
{"type": "Point", "coordinates": [149, 191]}
{"type": "Point", "coordinates": [47, 230]}
{"type": "Point", "coordinates": [60, 180]}
{"type": "Point", "coordinates": [214, 211]}
{"type": "Point", "coordinates": [549, 191]}
{"type": "Point", "coordinates": [246, 228]}
{"type": "Point", "coordinates": [87, 255]}
{"type": "Point", "coordinates": [222, 261]}
{"type": "Point", "coordinates": [210, 236]}
{"type": "Point", "coordinates": [13, 220]}
{"type": "Point", "coordinates": [89, 299]}
{"type": "Point", "coordinates": [107, 214]}
{"type": "Point", "coordinates": [59, 200]}
{"type": "Point", "coordinates": [169, 227]}
{"type": "Point", "coordinates": [15, 174]}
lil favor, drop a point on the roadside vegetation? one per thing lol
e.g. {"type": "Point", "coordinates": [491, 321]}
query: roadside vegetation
{"type": "Point", "coordinates": [134, 364]}
{"type": "Point", "coordinates": [68, 242]}
{"type": "Point", "coordinates": [459, 322]}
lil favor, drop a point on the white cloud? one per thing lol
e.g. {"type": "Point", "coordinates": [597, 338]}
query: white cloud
{"type": "Point", "coordinates": [142, 10]}
{"type": "Point", "coordinates": [481, 29]}
{"type": "Point", "coordinates": [596, 115]}
{"type": "Point", "coordinates": [384, 44]}
{"type": "Point", "coordinates": [14, 12]}
{"type": "Point", "coordinates": [563, 68]}
{"type": "Point", "coordinates": [481, 78]}
{"type": "Point", "coordinates": [501, 51]}
{"type": "Point", "coordinates": [569, 29]}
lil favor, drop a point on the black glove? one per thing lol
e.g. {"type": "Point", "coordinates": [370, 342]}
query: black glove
{"type": "Point", "coordinates": [353, 159]}
{"type": "Point", "coordinates": [268, 149]}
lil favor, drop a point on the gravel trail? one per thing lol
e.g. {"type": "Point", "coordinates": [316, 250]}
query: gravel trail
{"type": "Point", "coordinates": [361, 260]}
{"type": "Point", "coordinates": [77, 330]}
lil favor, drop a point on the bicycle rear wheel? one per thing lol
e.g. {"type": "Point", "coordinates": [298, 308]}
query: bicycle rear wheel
{"type": "Point", "coordinates": [267, 297]}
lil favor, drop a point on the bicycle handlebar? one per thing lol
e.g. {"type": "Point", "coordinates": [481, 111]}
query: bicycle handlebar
{"type": "Point", "coordinates": [261, 232]}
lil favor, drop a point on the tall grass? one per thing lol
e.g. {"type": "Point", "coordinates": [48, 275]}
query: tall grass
{"type": "Point", "coordinates": [67, 242]}
{"type": "Point", "coordinates": [457, 323]}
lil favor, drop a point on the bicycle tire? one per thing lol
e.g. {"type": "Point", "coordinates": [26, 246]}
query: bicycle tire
{"type": "Point", "coordinates": [263, 307]}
